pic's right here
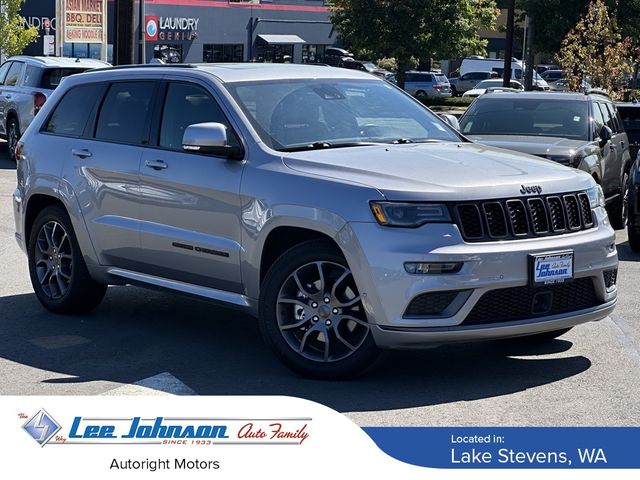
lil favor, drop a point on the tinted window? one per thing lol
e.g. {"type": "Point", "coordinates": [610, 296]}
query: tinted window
{"type": "Point", "coordinates": [567, 119]}
{"type": "Point", "coordinates": [52, 77]}
{"type": "Point", "coordinates": [598, 119]}
{"type": "Point", "coordinates": [70, 116]}
{"type": "Point", "coordinates": [14, 74]}
{"type": "Point", "coordinates": [31, 74]}
{"type": "Point", "coordinates": [419, 77]}
{"type": "Point", "coordinates": [630, 118]}
{"type": "Point", "coordinates": [3, 71]}
{"type": "Point", "coordinates": [479, 75]}
{"type": "Point", "coordinates": [186, 104]}
{"type": "Point", "coordinates": [124, 112]}
{"type": "Point", "coordinates": [606, 114]}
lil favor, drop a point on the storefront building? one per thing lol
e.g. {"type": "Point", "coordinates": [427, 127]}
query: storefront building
{"type": "Point", "coordinates": [197, 31]}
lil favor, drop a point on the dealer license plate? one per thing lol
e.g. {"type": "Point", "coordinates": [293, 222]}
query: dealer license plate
{"type": "Point", "coordinates": [552, 268]}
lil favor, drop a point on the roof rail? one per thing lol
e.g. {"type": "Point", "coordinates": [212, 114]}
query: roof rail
{"type": "Point", "coordinates": [597, 91]}
{"type": "Point", "coordinates": [149, 65]}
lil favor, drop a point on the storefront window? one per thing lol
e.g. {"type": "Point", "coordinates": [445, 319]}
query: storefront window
{"type": "Point", "coordinates": [86, 50]}
{"type": "Point", "coordinates": [222, 53]}
{"type": "Point", "coordinates": [274, 53]}
{"type": "Point", "coordinates": [168, 53]}
{"type": "Point", "coordinates": [313, 53]}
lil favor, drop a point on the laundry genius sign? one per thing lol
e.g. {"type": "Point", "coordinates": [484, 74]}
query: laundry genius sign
{"type": "Point", "coordinates": [85, 21]}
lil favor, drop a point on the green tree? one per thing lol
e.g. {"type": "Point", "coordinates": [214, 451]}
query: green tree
{"type": "Point", "coordinates": [553, 19]}
{"type": "Point", "coordinates": [595, 49]}
{"type": "Point", "coordinates": [412, 29]}
{"type": "Point", "coordinates": [13, 34]}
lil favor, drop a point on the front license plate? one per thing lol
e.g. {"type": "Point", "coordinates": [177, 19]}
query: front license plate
{"type": "Point", "coordinates": [552, 268]}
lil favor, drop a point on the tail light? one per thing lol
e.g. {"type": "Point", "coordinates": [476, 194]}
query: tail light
{"type": "Point", "coordinates": [18, 151]}
{"type": "Point", "coordinates": [438, 87]}
{"type": "Point", "coordinates": [38, 101]}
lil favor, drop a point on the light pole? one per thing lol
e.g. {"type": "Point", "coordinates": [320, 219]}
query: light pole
{"type": "Point", "coordinates": [508, 53]}
{"type": "Point", "coordinates": [141, 42]}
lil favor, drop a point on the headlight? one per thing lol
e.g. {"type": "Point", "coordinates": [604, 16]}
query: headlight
{"type": "Point", "coordinates": [596, 196]}
{"type": "Point", "coordinates": [396, 214]}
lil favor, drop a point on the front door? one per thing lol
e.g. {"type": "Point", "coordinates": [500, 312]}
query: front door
{"type": "Point", "coordinates": [190, 202]}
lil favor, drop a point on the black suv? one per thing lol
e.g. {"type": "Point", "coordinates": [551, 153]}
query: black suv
{"type": "Point", "coordinates": [630, 113]}
{"type": "Point", "coordinates": [577, 130]}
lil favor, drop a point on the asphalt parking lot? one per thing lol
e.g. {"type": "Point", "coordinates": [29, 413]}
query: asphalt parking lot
{"type": "Point", "coordinates": [590, 376]}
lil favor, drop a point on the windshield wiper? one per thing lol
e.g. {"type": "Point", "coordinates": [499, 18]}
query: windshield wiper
{"type": "Point", "coordinates": [324, 146]}
{"type": "Point", "coordinates": [404, 141]}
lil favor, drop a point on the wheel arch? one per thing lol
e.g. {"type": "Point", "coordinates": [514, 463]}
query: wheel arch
{"type": "Point", "coordinates": [285, 237]}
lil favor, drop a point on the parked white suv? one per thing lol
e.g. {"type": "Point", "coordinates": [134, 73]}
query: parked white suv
{"type": "Point", "coordinates": [26, 83]}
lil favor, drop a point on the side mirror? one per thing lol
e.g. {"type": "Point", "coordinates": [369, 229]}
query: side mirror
{"type": "Point", "coordinates": [605, 135]}
{"type": "Point", "coordinates": [210, 138]}
{"type": "Point", "coordinates": [450, 120]}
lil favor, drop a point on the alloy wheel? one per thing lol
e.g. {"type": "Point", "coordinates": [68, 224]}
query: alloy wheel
{"type": "Point", "coordinates": [320, 313]}
{"type": "Point", "coordinates": [53, 260]}
{"type": "Point", "coordinates": [12, 141]}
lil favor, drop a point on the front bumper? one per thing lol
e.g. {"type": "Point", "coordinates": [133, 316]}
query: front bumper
{"type": "Point", "coordinates": [377, 255]}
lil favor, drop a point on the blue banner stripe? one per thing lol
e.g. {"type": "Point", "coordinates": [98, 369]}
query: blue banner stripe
{"type": "Point", "coordinates": [511, 447]}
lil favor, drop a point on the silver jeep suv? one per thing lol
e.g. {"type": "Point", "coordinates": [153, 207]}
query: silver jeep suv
{"type": "Point", "coordinates": [326, 202]}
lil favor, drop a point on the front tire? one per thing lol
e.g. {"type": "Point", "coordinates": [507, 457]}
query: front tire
{"type": "Point", "coordinates": [620, 210]}
{"type": "Point", "coordinates": [312, 316]}
{"type": "Point", "coordinates": [59, 275]}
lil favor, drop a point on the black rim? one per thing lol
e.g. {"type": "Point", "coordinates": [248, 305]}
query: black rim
{"type": "Point", "coordinates": [13, 139]}
{"type": "Point", "coordinates": [53, 260]}
{"type": "Point", "coordinates": [320, 313]}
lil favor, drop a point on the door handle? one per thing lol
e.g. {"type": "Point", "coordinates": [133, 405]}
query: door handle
{"type": "Point", "coordinates": [156, 165]}
{"type": "Point", "coordinates": [612, 146]}
{"type": "Point", "coordinates": [81, 153]}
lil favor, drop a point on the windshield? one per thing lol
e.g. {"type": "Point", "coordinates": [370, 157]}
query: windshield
{"type": "Point", "coordinates": [518, 116]}
{"type": "Point", "coordinates": [324, 113]}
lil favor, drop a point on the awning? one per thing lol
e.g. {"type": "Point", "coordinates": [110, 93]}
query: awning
{"type": "Point", "coordinates": [281, 39]}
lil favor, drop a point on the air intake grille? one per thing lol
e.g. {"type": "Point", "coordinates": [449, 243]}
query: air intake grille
{"type": "Point", "coordinates": [520, 303]}
{"type": "Point", "coordinates": [510, 219]}
{"type": "Point", "coordinates": [430, 304]}
{"type": "Point", "coordinates": [610, 277]}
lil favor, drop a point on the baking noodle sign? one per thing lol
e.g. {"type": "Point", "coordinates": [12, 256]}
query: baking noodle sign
{"type": "Point", "coordinates": [186, 431]}
{"type": "Point", "coordinates": [84, 20]}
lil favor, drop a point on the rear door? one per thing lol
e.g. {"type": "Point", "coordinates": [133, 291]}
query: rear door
{"type": "Point", "coordinates": [190, 202]}
{"type": "Point", "coordinates": [103, 166]}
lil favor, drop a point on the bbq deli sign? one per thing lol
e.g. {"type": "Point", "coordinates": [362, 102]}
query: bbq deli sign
{"type": "Point", "coordinates": [170, 28]}
{"type": "Point", "coordinates": [85, 21]}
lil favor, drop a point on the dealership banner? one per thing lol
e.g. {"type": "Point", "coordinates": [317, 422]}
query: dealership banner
{"type": "Point", "coordinates": [85, 21]}
{"type": "Point", "coordinates": [279, 437]}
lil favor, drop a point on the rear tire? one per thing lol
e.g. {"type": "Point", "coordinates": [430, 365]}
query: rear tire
{"type": "Point", "coordinates": [311, 314]}
{"type": "Point", "coordinates": [421, 93]}
{"type": "Point", "coordinates": [59, 275]}
{"type": "Point", "coordinates": [13, 136]}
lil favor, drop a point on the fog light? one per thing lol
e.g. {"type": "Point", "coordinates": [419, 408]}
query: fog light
{"type": "Point", "coordinates": [420, 268]}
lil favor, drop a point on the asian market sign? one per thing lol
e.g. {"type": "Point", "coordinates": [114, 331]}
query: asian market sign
{"type": "Point", "coordinates": [85, 21]}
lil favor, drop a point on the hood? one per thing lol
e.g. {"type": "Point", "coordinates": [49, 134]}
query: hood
{"type": "Point", "coordinates": [439, 171]}
{"type": "Point", "coordinates": [533, 145]}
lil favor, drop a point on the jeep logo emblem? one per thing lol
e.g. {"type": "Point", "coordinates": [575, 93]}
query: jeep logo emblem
{"type": "Point", "coordinates": [530, 189]}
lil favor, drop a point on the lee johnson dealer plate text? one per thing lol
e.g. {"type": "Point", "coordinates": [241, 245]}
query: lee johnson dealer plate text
{"type": "Point", "coordinates": [551, 268]}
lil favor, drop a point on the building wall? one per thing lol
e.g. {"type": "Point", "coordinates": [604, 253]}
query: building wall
{"type": "Point", "coordinates": [191, 24]}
